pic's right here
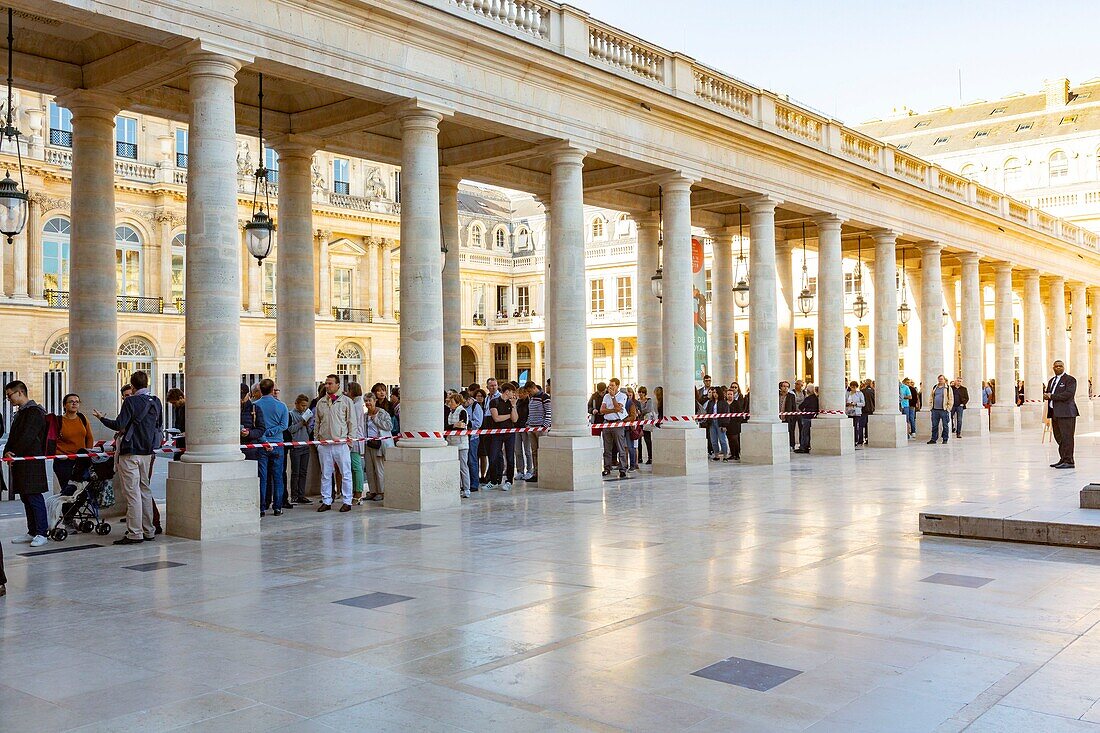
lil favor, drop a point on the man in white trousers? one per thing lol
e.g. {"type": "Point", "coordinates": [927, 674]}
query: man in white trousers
{"type": "Point", "coordinates": [334, 421]}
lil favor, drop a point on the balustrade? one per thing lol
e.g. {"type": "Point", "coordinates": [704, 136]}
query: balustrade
{"type": "Point", "coordinates": [525, 16]}
{"type": "Point", "coordinates": [624, 53]}
{"type": "Point", "coordinates": [855, 146]}
{"type": "Point", "coordinates": [716, 90]}
{"type": "Point", "coordinates": [353, 315]}
{"type": "Point", "coordinates": [798, 123]}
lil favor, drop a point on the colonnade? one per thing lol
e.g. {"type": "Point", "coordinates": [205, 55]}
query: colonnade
{"type": "Point", "coordinates": [207, 494]}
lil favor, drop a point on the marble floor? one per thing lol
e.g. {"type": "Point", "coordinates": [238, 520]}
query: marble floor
{"type": "Point", "coordinates": [749, 599]}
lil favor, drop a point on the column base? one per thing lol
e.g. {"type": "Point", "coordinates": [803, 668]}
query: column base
{"type": "Point", "coordinates": [422, 479]}
{"type": "Point", "coordinates": [1031, 414]}
{"type": "Point", "coordinates": [569, 462]}
{"type": "Point", "coordinates": [888, 430]}
{"type": "Point", "coordinates": [832, 436]}
{"type": "Point", "coordinates": [1004, 419]}
{"type": "Point", "coordinates": [765, 443]}
{"type": "Point", "coordinates": [209, 501]}
{"type": "Point", "coordinates": [679, 452]}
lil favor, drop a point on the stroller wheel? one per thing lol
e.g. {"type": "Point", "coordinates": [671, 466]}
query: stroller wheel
{"type": "Point", "coordinates": [60, 534]}
{"type": "Point", "coordinates": [87, 525]}
{"type": "Point", "coordinates": [103, 528]}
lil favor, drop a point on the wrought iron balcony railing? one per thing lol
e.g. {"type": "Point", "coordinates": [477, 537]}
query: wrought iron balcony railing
{"type": "Point", "coordinates": [123, 303]}
{"type": "Point", "coordinates": [126, 150]}
{"type": "Point", "coordinates": [61, 138]}
{"type": "Point", "coordinates": [353, 315]}
{"type": "Point", "coordinates": [270, 310]}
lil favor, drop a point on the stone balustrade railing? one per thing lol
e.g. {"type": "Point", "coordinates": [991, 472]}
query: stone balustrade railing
{"type": "Point", "coordinates": [134, 170]}
{"type": "Point", "coordinates": [571, 32]}
{"type": "Point", "coordinates": [61, 157]}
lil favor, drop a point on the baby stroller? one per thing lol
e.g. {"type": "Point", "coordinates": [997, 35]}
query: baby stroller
{"type": "Point", "coordinates": [88, 491]}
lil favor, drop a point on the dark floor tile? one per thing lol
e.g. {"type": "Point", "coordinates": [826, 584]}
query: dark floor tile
{"type": "Point", "coordinates": [962, 581]}
{"type": "Point", "coordinates": [158, 565]}
{"type": "Point", "coordinates": [587, 501]}
{"type": "Point", "coordinates": [54, 551]}
{"type": "Point", "coordinates": [747, 673]}
{"type": "Point", "coordinates": [374, 600]}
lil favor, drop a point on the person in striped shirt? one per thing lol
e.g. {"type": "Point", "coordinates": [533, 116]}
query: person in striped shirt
{"type": "Point", "coordinates": [538, 416]}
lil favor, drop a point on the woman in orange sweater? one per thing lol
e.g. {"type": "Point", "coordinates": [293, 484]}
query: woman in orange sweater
{"type": "Point", "coordinates": [72, 434]}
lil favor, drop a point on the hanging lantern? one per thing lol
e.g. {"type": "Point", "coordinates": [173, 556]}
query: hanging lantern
{"type": "Point", "coordinates": [859, 305]}
{"type": "Point", "coordinates": [904, 312]}
{"type": "Point", "coordinates": [259, 231]}
{"type": "Point", "coordinates": [805, 298]}
{"type": "Point", "coordinates": [657, 281]}
{"type": "Point", "coordinates": [14, 201]}
{"type": "Point", "coordinates": [741, 271]}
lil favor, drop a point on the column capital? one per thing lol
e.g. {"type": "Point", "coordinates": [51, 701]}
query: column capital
{"type": "Point", "coordinates": [1031, 276]}
{"type": "Point", "coordinates": [1094, 290]}
{"type": "Point", "coordinates": [646, 219]}
{"type": "Point", "coordinates": [324, 235]}
{"type": "Point", "coordinates": [567, 155]}
{"type": "Point", "coordinates": [294, 146]}
{"type": "Point", "coordinates": [1001, 268]}
{"type": "Point", "coordinates": [782, 244]}
{"type": "Point", "coordinates": [90, 103]}
{"type": "Point", "coordinates": [827, 222]}
{"type": "Point", "coordinates": [969, 258]}
{"type": "Point", "coordinates": [677, 181]}
{"type": "Point", "coordinates": [761, 203]}
{"type": "Point", "coordinates": [449, 180]}
{"type": "Point", "coordinates": [1077, 285]}
{"type": "Point", "coordinates": [725, 234]}
{"type": "Point", "coordinates": [419, 118]}
{"type": "Point", "coordinates": [370, 242]}
{"type": "Point", "coordinates": [883, 236]}
{"type": "Point", "coordinates": [930, 248]}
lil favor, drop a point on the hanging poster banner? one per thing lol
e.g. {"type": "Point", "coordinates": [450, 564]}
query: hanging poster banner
{"type": "Point", "coordinates": [699, 295]}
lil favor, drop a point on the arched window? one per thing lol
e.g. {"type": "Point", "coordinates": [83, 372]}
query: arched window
{"type": "Point", "coordinates": [1012, 173]}
{"type": "Point", "coordinates": [523, 352]}
{"type": "Point", "coordinates": [597, 228]}
{"type": "Point", "coordinates": [349, 360]}
{"type": "Point", "coordinates": [179, 242]}
{"type": "Point", "coordinates": [1058, 165]}
{"type": "Point", "coordinates": [128, 260]}
{"type": "Point", "coordinates": [969, 171]}
{"type": "Point", "coordinates": [524, 240]}
{"type": "Point", "coordinates": [59, 354]}
{"type": "Point", "coordinates": [500, 239]}
{"type": "Point", "coordinates": [272, 358]}
{"type": "Point", "coordinates": [135, 354]}
{"type": "Point", "coordinates": [55, 254]}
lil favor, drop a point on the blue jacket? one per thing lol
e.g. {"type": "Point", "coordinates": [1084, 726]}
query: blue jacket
{"type": "Point", "coordinates": [140, 422]}
{"type": "Point", "coordinates": [276, 418]}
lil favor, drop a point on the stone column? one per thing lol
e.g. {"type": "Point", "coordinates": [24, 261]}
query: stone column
{"type": "Point", "coordinates": [931, 328]}
{"type": "Point", "coordinates": [1094, 366]}
{"type": "Point", "coordinates": [679, 447]}
{"type": "Point", "coordinates": [422, 465]}
{"type": "Point", "coordinates": [832, 433]}
{"type": "Point", "coordinates": [886, 428]}
{"type": "Point", "coordinates": [973, 344]}
{"type": "Point", "coordinates": [19, 252]}
{"type": "Point", "coordinates": [372, 275]}
{"type": "Point", "coordinates": [295, 320]}
{"type": "Point", "coordinates": [1079, 356]}
{"type": "Point", "coordinates": [723, 364]}
{"type": "Point", "coordinates": [34, 249]}
{"type": "Point", "coordinates": [536, 362]}
{"type": "Point", "coordinates": [324, 274]}
{"type": "Point", "coordinates": [784, 310]}
{"type": "Point", "coordinates": [1003, 416]}
{"type": "Point", "coordinates": [452, 284]}
{"type": "Point", "coordinates": [649, 365]}
{"type": "Point", "coordinates": [212, 492]}
{"type": "Point", "coordinates": [569, 456]}
{"type": "Point", "coordinates": [853, 354]}
{"type": "Point", "coordinates": [1057, 323]}
{"type": "Point", "coordinates": [93, 337]}
{"type": "Point", "coordinates": [1031, 413]}
{"type": "Point", "coordinates": [764, 437]}
{"type": "Point", "coordinates": [386, 252]}
{"type": "Point", "coordinates": [164, 241]}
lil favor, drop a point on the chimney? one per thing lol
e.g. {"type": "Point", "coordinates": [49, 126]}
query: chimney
{"type": "Point", "coordinates": [1057, 92]}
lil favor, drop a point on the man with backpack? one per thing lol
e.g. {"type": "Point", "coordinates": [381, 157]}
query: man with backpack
{"type": "Point", "coordinates": [28, 478]}
{"type": "Point", "coordinates": [138, 427]}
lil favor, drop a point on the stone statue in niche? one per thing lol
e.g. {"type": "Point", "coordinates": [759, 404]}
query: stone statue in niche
{"type": "Point", "coordinates": [315, 175]}
{"type": "Point", "coordinates": [376, 187]}
{"type": "Point", "coordinates": [244, 158]}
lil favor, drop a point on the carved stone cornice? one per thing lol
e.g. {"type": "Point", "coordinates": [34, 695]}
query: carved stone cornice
{"type": "Point", "coordinates": [47, 203]}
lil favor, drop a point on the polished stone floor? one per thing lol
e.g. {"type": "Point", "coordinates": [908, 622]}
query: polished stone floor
{"type": "Point", "coordinates": [752, 599]}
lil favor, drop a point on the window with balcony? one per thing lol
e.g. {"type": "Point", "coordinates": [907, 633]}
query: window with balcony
{"type": "Point", "coordinates": [1058, 165]}
{"type": "Point", "coordinates": [341, 180]}
{"type": "Point", "coordinates": [61, 126]}
{"type": "Point", "coordinates": [181, 148]}
{"type": "Point", "coordinates": [128, 261]}
{"type": "Point", "coordinates": [341, 287]}
{"type": "Point", "coordinates": [271, 163]}
{"type": "Point", "coordinates": [126, 137]}
{"type": "Point", "coordinates": [523, 299]}
{"type": "Point", "coordinates": [502, 301]}
{"type": "Point", "coordinates": [55, 254]}
{"type": "Point", "coordinates": [624, 292]}
{"type": "Point", "coordinates": [596, 299]}
{"type": "Point", "coordinates": [179, 274]}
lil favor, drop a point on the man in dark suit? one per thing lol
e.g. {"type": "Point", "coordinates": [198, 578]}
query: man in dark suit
{"type": "Point", "coordinates": [1062, 411]}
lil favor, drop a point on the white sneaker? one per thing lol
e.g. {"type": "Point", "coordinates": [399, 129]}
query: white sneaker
{"type": "Point", "coordinates": [25, 539]}
{"type": "Point", "coordinates": [465, 493]}
{"type": "Point", "coordinates": [506, 486]}
{"type": "Point", "coordinates": [487, 487]}
{"type": "Point", "coordinates": [38, 541]}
